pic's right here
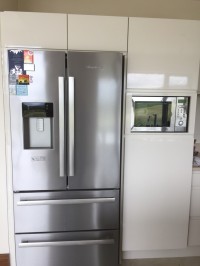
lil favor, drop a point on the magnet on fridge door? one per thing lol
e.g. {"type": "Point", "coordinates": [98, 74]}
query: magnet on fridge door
{"type": "Point", "coordinates": [22, 90]}
{"type": "Point", "coordinates": [23, 79]}
{"type": "Point", "coordinates": [28, 57]}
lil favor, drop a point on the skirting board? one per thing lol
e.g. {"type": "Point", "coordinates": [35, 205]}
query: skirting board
{"type": "Point", "coordinates": [4, 260]}
{"type": "Point", "coordinates": [188, 252]}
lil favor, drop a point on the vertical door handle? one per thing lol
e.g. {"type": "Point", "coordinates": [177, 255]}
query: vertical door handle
{"type": "Point", "coordinates": [61, 88]}
{"type": "Point", "coordinates": [70, 126]}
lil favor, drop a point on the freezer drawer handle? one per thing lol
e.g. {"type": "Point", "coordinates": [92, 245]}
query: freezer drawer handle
{"type": "Point", "coordinates": [71, 126]}
{"type": "Point", "coordinates": [64, 201]}
{"type": "Point", "coordinates": [68, 243]}
{"type": "Point", "coordinates": [61, 87]}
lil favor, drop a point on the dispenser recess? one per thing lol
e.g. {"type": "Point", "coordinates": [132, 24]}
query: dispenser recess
{"type": "Point", "coordinates": [37, 125]}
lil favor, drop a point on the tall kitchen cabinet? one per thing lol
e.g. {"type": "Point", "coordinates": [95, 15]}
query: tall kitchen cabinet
{"type": "Point", "coordinates": [163, 60]}
{"type": "Point", "coordinates": [100, 33]}
{"type": "Point", "coordinates": [3, 195]}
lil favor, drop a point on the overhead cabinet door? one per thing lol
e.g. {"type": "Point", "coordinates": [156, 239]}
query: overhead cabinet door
{"type": "Point", "coordinates": [31, 29]}
{"type": "Point", "coordinates": [103, 33]}
{"type": "Point", "coordinates": [163, 54]}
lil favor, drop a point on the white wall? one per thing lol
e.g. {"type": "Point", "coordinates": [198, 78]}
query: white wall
{"type": "Point", "coordinates": [184, 9]}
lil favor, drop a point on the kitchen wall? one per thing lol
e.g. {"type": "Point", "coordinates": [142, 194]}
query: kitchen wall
{"type": "Point", "coordinates": [8, 5]}
{"type": "Point", "coordinates": [180, 9]}
{"type": "Point", "coordinates": [184, 9]}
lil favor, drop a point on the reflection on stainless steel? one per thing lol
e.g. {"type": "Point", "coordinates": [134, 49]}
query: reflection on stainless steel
{"type": "Point", "coordinates": [96, 248]}
{"type": "Point", "coordinates": [73, 220]}
{"type": "Point", "coordinates": [70, 154]}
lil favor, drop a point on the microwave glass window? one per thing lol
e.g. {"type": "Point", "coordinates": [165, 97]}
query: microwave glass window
{"type": "Point", "coordinates": [152, 114]}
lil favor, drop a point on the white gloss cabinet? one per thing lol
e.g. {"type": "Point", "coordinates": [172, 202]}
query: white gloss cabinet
{"type": "Point", "coordinates": [3, 195]}
{"type": "Point", "coordinates": [194, 227]}
{"type": "Point", "coordinates": [163, 54]}
{"type": "Point", "coordinates": [104, 33]}
{"type": "Point", "coordinates": [36, 30]}
{"type": "Point", "coordinates": [157, 186]}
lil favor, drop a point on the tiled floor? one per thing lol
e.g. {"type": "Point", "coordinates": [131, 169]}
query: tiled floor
{"type": "Point", "coordinates": [192, 261]}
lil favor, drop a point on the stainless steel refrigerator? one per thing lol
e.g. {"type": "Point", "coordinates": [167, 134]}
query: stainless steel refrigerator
{"type": "Point", "coordinates": [66, 113]}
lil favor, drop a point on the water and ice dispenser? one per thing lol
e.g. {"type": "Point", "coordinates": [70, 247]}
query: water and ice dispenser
{"type": "Point", "coordinates": [37, 125]}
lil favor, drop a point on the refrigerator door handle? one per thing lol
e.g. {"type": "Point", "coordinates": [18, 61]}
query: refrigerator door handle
{"type": "Point", "coordinates": [70, 126]}
{"type": "Point", "coordinates": [61, 88]}
{"type": "Point", "coordinates": [67, 243]}
{"type": "Point", "coordinates": [65, 201]}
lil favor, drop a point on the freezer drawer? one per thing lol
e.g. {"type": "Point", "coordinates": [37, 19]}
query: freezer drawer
{"type": "Point", "coordinates": [66, 211]}
{"type": "Point", "coordinates": [97, 248]}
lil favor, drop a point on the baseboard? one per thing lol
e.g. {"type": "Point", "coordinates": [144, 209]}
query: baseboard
{"type": "Point", "coordinates": [4, 260]}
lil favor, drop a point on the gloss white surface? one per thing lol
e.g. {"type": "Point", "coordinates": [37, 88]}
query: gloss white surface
{"type": "Point", "coordinates": [37, 30]}
{"type": "Point", "coordinates": [104, 33]}
{"type": "Point", "coordinates": [163, 54]}
{"type": "Point", "coordinates": [157, 185]}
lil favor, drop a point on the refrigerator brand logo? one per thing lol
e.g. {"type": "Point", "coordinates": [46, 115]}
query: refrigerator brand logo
{"type": "Point", "coordinates": [38, 158]}
{"type": "Point", "coordinates": [95, 67]}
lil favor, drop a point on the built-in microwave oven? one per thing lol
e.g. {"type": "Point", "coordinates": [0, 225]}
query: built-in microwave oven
{"type": "Point", "coordinates": [159, 114]}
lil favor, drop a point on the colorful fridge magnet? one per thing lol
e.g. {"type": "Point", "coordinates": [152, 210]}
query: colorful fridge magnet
{"type": "Point", "coordinates": [23, 80]}
{"type": "Point", "coordinates": [22, 90]}
{"type": "Point", "coordinates": [28, 57]}
{"type": "Point", "coordinates": [16, 65]}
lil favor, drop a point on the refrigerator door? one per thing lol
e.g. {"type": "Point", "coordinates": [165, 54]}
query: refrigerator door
{"type": "Point", "coordinates": [66, 211]}
{"type": "Point", "coordinates": [96, 248]}
{"type": "Point", "coordinates": [35, 154]}
{"type": "Point", "coordinates": [95, 78]}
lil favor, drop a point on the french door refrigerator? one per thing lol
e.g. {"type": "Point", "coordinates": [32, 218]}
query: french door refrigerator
{"type": "Point", "coordinates": [66, 111]}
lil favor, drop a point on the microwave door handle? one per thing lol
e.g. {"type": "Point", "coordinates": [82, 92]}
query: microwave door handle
{"type": "Point", "coordinates": [61, 89]}
{"type": "Point", "coordinates": [70, 126]}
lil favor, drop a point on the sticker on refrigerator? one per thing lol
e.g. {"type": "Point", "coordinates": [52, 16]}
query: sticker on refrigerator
{"type": "Point", "coordinates": [22, 90]}
{"type": "Point", "coordinates": [28, 57]}
{"type": "Point", "coordinates": [23, 80]}
{"type": "Point", "coordinates": [16, 63]}
{"type": "Point", "coordinates": [29, 67]}
{"type": "Point", "coordinates": [12, 89]}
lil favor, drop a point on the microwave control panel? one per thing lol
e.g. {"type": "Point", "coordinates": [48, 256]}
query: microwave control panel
{"type": "Point", "coordinates": [181, 113]}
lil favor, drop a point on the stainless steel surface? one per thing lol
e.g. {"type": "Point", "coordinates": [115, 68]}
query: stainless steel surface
{"type": "Point", "coordinates": [71, 126]}
{"type": "Point", "coordinates": [66, 211]}
{"type": "Point", "coordinates": [68, 243]}
{"type": "Point", "coordinates": [64, 202]}
{"type": "Point", "coordinates": [61, 87]}
{"type": "Point", "coordinates": [98, 101]}
{"type": "Point", "coordinates": [38, 169]}
{"type": "Point", "coordinates": [68, 221]}
{"type": "Point", "coordinates": [103, 251]}
{"type": "Point", "coordinates": [133, 128]}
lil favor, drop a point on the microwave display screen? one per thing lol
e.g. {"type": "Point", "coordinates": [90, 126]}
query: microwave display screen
{"type": "Point", "coordinates": [152, 114]}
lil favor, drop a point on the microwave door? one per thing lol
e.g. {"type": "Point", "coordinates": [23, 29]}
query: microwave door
{"type": "Point", "coordinates": [153, 114]}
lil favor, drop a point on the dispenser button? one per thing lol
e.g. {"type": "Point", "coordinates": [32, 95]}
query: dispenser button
{"type": "Point", "coordinates": [40, 124]}
{"type": "Point", "coordinates": [180, 123]}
